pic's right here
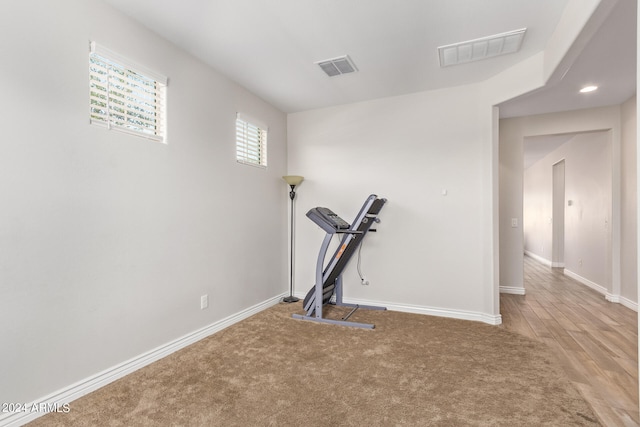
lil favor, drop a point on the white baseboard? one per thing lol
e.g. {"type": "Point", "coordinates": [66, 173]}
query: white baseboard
{"type": "Point", "coordinates": [433, 311]}
{"type": "Point", "coordinates": [544, 261]}
{"type": "Point", "coordinates": [538, 258]}
{"type": "Point", "coordinates": [587, 282]}
{"type": "Point", "coordinates": [86, 386]}
{"type": "Point", "coordinates": [612, 297]}
{"type": "Point", "coordinates": [628, 303]}
{"type": "Point", "coordinates": [515, 290]}
{"type": "Point", "coordinates": [619, 299]}
{"type": "Point", "coordinates": [455, 314]}
{"type": "Point", "coordinates": [598, 288]}
{"type": "Point", "coordinates": [622, 300]}
{"type": "Point", "coordinates": [429, 311]}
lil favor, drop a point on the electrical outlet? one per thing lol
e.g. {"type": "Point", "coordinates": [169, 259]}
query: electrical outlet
{"type": "Point", "coordinates": [204, 302]}
{"type": "Point", "coordinates": [365, 282]}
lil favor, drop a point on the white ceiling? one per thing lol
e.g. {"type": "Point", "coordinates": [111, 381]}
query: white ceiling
{"type": "Point", "coordinates": [608, 60]}
{"type": "Point", "coordinates": [271, 47]}
{"type": "Point", "coordinates": [537, 147]}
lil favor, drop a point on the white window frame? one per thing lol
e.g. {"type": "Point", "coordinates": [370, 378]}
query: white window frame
{"type": "Point", "coordinates": [251, 141]}
{"type": "Point", "coordinates": [136, 103]}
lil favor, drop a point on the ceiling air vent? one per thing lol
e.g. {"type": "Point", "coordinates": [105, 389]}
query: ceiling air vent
{"type": "Point", "coordinates": [482, 48]}
{"type": "Point", "coordinates": [337, 66]}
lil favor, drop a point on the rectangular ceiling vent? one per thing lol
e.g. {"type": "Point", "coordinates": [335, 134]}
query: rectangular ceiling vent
{"type": "Point", "coordinates": [337, 66]}
{"type": "Point", "coordinates": [482, 48]}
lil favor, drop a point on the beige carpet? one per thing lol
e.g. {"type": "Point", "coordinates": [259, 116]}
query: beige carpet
{"type": "Point", "coordinates": [412, 370]}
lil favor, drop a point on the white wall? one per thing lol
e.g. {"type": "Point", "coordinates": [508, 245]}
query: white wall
{"type": "Point", "coordinates": [629, 189]}
{"type": "Point", "coordinates": [637, 165]}
{"type": "Point", "coordinates": [445, 255]}
{"type": "Point", "coordinates": [107, 241]}
{"type": "Point", "coordinates": [432, 252]}
{"type": "Point", "coordinates": [512, 133]}
{"type": "Point", "coordinates": [579, 22]}
{"type": "Point", "coordinates": [537, 211]}
{"type": "Point", "coordinates": [587, 237]}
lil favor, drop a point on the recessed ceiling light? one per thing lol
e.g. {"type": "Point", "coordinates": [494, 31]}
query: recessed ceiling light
{"type": "Point", "coordinates": [588, 89]}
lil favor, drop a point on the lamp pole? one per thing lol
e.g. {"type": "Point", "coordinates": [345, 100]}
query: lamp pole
{"type": "Point", "coordinates": [293, 181]}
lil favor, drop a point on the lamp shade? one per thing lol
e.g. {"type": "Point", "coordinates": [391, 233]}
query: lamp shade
{"type": "Point", "coordinates": [293, 179]}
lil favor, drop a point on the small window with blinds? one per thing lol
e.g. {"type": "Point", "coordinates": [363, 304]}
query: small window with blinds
{"type": "Point", "coordinates": [125, 96]}
{"type": "Point", "coordinates": [251, 142]}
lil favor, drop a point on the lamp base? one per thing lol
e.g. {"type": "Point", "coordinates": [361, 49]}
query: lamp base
{"type": "Point", "coordinates": [290, 298]}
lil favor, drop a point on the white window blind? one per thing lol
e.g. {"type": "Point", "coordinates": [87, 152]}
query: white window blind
{"type": "Point", "coordinates": [251, 142]}
{"type": "Point", "coordinates": [125, 96]}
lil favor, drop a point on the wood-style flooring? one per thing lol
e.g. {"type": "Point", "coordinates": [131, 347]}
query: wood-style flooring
{"type": "Point", "coordinates": [596, 341]}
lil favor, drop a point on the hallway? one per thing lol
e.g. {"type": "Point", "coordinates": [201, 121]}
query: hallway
{"type": "Point", "coordinates": [596, 341]}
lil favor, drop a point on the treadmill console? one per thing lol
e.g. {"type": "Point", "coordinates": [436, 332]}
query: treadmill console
{"type": "Point", "coordinates": [327, 220]}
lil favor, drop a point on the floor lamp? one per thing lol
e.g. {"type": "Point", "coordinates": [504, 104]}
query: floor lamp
{"type": "Point", "coordinates": [293, 181]}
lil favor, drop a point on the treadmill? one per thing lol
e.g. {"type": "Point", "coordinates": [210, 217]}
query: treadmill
{"type": "Point", "coordinates": [328, 281]}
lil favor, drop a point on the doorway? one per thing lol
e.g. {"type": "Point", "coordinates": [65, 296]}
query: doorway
{"type": "Point", "coordinates": [558, 203]}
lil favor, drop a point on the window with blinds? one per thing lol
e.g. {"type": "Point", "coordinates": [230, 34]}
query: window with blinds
{"type": "Point", "coordinates": [251, 142]}
{"type": "Point", "coordinates": [125, 96]}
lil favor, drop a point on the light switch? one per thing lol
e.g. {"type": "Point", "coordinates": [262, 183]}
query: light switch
{"type": "Point", "coordinates": [514, 222]}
